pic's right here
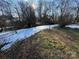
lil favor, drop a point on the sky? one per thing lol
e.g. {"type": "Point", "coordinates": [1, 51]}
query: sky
{"type": "Point", "coordinates": [34, 3]}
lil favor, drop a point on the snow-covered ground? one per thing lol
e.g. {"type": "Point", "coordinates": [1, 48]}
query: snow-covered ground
{"type": "Point", "coordinates": [73, 26]}
{"type": "Point", "coordinates": [13, 36]}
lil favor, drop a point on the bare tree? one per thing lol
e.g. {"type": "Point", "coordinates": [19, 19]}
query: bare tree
{"type": "Point", "coordinates": [77, 17]}
{"type": "Point", "coordinates": [6, 13]}
{"type": "Point", "coordinates": [16, 8]}
{"type": "Point", "coordinates": [27, 13]}
{"type": "Point", "coordinates": [40, 8]}
{"type": "Point", "coordinates": [64, 17]}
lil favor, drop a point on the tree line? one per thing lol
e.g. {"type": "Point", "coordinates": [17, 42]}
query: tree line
{"type": "Point", "coordinates": [22, 14]}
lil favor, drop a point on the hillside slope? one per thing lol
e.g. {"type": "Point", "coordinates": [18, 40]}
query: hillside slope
{"type": "Point", "coordinates": [53, 44]}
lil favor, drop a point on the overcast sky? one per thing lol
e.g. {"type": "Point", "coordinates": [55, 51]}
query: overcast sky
{"type": "Point", "coordinates": [35, 4]}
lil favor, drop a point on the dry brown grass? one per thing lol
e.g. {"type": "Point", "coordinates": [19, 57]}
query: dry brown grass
{"type": "Point", "coordinates": [53, 44]}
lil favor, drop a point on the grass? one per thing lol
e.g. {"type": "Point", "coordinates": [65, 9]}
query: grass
{"type": "Point", "coordinates": [57, 43]}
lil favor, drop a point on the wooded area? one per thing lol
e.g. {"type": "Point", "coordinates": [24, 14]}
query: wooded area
{"type": "Point", "coordinates": [23, 14]}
